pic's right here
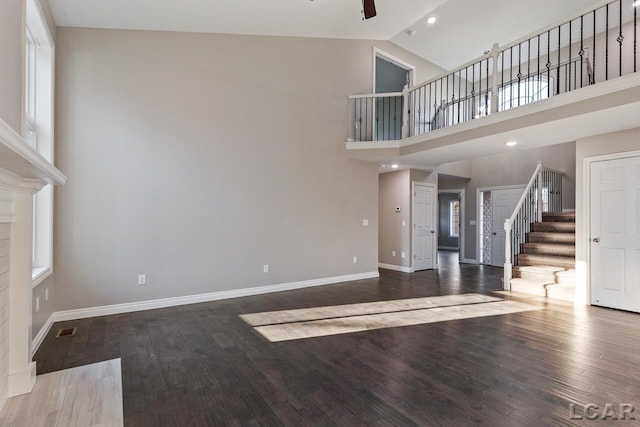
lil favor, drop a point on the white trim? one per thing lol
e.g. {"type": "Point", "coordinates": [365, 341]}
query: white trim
{"type": "Point", "coordinates": [586, 222]}
{"type": "Point", "coordinates": [18, 152]}
{"type": "Point", "coordinates": [41, 273]}
{"type": "Point", "coordinates": [393, 267]}
{"type": "Point", "coordinates": [42, 334]}
{"type": "Point", "coordinates": [468, 261]}
{"type": "Point", "coordinates": [106, 310]}
{"type": "Point", "coordinates": [22, 382]}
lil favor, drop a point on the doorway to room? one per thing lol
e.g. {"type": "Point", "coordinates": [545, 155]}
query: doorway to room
{"type": "Point", "coordinates": [451, 221]}
{"type": "Point", "coordinates": [495, 206]}
{"type": "Point", "coordinates": [390, 75]}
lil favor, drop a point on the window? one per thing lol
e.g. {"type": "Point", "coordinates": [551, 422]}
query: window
{"type": "Point", "coordinates": [523, 92]}
{"type": "Point", "coordinates": [38, 129]}
{"type": "Point", "coordinates": [454, 218]}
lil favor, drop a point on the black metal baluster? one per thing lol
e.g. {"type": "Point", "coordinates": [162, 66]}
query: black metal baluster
{"type": "Point", "coordinates": [548, 63]}
{"type": "Point", "coordinates": [558, 73]}
{"type": "Point", "coordinates": [606, 45]}
{"type": "Point", "coordinates": [569, 65]}
{"type": "Point", "coordinates": [511, 77]}
{"type": "Point", "coordinates": [620, 39]}
{"type": "Point", "coordinates": [635, 37]}
{"type": "Point", "coordinates": [528, 86]}
{"type": "Point", "coordinates": [581, 50]}
{"type": "Point", "coordinates": [501, 101]}
{"type": "Point", "coordinates": [519, 75]}
{"type": "Point", "coordinates": [473, 91]}
{"type": "Point", "coordinates": [593, 52]}
{"type": "Point", "coordinates": [486, 98]}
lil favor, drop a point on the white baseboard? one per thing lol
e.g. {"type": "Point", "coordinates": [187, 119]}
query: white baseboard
{"type": "Point", "coordinates": [396, 267]}
{"type": "Point", "coordinates": [106, 310]}
{"type": "Point", "coordinates": [37, 340]}
{"type": "Point", "coordinates": [468, 261]}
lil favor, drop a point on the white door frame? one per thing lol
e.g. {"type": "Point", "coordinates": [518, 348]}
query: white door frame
{"type": "Point", "coordinates": [583, 270]}
{"type": "Point", "coordinates": [434, 215]}
{"type": "Point", "coordinates": [479, 211]}
{"type": "Point", "coordinates": [462, 220]}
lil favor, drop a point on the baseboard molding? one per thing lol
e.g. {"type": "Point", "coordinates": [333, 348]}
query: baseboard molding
{"type": "Point", "coordinates": [37, 340]}
{"type": "Point", "coordinates": [107, 310]}
{"type": "Point", "coordinates": [396, 267]}
{"type": "Point", "coordinates": [468, 261]}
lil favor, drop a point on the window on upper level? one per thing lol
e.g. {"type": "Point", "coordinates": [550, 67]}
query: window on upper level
{"type": "Point", "coordinates": [524, 92]}
{"type": "Point", "coordinates": [38, 129]}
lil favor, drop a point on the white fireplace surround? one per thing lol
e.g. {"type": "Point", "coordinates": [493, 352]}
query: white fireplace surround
{"type": "Point", "coordinates": [23, 172]}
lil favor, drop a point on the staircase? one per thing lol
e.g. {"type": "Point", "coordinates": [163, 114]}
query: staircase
{"type": "Point", "coordinates": [546, 263]}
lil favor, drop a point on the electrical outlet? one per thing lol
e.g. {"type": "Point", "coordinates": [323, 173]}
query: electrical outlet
{"type": "Point", "coordinates": [402, 254]}
{"type": "Point", "coordinates": [355, 259]}
{"type": "Point", "coordinates": [46, 294]}
{"type": "Point", "coordinates": [393, 253]}
{"type": "Point", "coordinates": [365, 222]}
{"type": "Point", "coordinates": [142, 279]}
{"type": "Point", "coordinates": [37, 304]}
{"type": "Point", "coordinates": [265, 268]}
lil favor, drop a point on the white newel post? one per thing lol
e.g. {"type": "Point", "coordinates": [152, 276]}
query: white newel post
{"type": "Point", "coordinates": [22, 370]}
{"type": "Point", "coordinates": [507, 256]}
{"type": "Point", "coordinates": [495, 51]}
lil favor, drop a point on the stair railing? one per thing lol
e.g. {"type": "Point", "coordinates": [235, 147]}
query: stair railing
{"type": "Point", "coordinates": [542, 194]}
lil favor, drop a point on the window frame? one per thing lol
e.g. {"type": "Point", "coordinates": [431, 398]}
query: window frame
{"type": "Point", "coordinates": [454, 220]}
{"type": "Point", "coordinates": [38, 129]}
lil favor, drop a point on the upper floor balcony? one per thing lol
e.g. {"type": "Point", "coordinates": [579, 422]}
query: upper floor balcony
{"type": "Point", "coordinates": [573, 79]}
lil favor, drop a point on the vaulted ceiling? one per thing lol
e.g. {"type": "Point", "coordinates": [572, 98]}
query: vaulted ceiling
{"type": "Point", "coordinates": [464, 28]}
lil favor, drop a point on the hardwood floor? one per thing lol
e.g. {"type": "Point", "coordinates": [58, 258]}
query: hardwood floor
{"type": "Point", "coordinates": [202, 365]}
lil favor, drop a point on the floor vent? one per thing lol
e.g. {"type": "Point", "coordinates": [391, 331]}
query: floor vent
{"type": "Point", "coordinates": [66, 332]}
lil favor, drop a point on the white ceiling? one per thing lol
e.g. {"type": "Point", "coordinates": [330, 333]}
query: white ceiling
{"type": "Point", "coordinates": [464, 30]}
{"type": "Point", "coordinates": [299, 18]}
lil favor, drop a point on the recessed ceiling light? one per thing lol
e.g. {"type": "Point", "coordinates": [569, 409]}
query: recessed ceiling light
{"type": "Point", "coordinates": [395, 166]}
{"type": "Point", "coordinates": [431, 20]}
{"type": "Point", "coordinates": [511, 143]}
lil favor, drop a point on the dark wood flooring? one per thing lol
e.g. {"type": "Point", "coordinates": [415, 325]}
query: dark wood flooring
{"type": "Point", "coordinates": [201, 365]}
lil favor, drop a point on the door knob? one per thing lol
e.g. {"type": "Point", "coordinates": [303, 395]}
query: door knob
{"type": "Point", "coordinates": [433, 231]}
{"type": "Point", "coordinates": [495, 234]}
{"type": "Point", "coordinates": [596, 240]}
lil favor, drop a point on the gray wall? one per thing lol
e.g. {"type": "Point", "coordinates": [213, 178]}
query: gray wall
{"type": "Point", "coordinates": [11, 49]}
{"type": "Point", "coordinates": [195, 159]}
{"type": "Point", "coordinates": [516, 168]}
{"type": "Point", "coordinates": [444, 212]}
{"type": "Point", "coordinates": [395, 190]}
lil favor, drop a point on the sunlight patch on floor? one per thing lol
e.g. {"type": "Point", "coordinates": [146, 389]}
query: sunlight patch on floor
{"type": "Point", "coordinates": [296, 324]}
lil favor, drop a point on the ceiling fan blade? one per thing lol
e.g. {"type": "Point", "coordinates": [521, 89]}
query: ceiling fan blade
{"type": "Point", "coordinates": [369, 8]}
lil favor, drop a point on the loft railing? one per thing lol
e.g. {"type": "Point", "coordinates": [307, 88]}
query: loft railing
{"type": "Point", "coordinates": [542, 194]}
{"type": "Point", "coordinates": [593, 47]}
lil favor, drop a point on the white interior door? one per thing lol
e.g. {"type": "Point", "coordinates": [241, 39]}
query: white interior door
{"type": "Point", "coordinates": [424, 226]}
{"type": "Point", "coordinates": [615, 233]}
{"type": "Point", "coordinates": [503, 203]}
